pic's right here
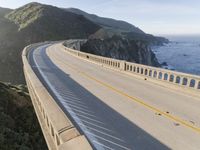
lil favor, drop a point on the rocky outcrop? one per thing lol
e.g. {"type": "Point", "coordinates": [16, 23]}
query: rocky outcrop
{"type": "Point", "coordinates": [75, 44]}
{"type": "Point", "coordinates": [118, 48]}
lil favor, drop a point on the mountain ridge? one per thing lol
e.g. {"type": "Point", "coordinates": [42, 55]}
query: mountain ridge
{"type": "Point", "coordinates": [4, 11]}
{"type": "Point", "coordinates": [112, 27]}
{"type": "Point", "coordinates": [53, 20]}
{"type": "Point", "coordinates": [107, 22]}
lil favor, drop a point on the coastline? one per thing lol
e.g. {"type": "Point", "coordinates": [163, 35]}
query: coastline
{"type": "Point", "coordinates": [181, 54]}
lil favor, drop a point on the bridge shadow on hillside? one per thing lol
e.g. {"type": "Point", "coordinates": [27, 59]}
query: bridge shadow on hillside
{"type": "Point", "coordinates": [104, 125]}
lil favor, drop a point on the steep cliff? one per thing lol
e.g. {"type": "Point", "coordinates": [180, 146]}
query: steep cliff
{"type": "Point", "coordinates": [118, 48]}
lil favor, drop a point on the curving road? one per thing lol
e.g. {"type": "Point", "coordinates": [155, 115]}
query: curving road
{"type": "Point", "coordinates": [114, 110]}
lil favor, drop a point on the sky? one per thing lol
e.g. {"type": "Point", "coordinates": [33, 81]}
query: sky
{"type": "Point", "coordinates": [159, 17]}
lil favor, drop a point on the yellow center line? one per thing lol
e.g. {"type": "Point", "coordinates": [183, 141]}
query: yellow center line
{"type": "Point", "coordinates": [143, 103]}
{"type": "Point", "coordinates": [137, 100]}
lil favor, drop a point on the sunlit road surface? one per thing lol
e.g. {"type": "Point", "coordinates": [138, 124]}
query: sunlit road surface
{"type": "Point", "coordinates": [114, 110]}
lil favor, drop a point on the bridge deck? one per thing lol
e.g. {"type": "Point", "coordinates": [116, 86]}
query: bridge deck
{"type": "Point", "coordinates": [115, 110]}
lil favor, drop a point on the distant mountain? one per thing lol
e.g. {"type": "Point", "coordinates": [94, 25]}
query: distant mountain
{"type": "Point", "coordinates": [32, 23]}
{"type": "Point", "coordinates": [107, 23]}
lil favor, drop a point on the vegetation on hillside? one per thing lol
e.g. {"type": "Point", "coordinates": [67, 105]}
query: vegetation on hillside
{"type": "Point", "coordinates": [108, 23]}
{"type": "Point", "coordinates": [19, 127]}
{"type": "Point", "coordinates": [51, 23]}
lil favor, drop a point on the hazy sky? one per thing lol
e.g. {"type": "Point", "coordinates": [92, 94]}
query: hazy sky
{"type": "Point", "coordinates": [152, 16]}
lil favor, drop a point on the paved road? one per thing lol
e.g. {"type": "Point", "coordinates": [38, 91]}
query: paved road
{"type": "Point", "coordinates": [114, 110]}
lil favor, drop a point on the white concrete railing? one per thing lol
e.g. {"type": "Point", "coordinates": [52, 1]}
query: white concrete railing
{"type": "Point", "coordinates": [168, 76]}
{"type": "Point", "coordinates": [58, 130]}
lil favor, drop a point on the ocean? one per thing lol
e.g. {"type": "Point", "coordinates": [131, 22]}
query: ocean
{"type": "Point", "coordinates": [181, 54]}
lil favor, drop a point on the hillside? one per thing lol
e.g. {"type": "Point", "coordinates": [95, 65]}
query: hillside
{"type": "Point", "coordinates": [4, 11]}
{"type": "Point", "coordinates": [32, 23]}
{"type": "Point", "coordinates": [19, 128]}
{"type": "Point", "coordinates": [46, 22]}
{"type": "Point", "coordinates": [107, 23]}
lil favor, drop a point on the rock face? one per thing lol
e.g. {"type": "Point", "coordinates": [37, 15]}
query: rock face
{"type": "Point", "coordinates": [19, 127]}
{"type": "Point", "coordinates": [123, 49]}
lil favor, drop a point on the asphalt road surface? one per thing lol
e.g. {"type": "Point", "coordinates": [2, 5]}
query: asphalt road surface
{"type": "Point", "coordinates": [117, 111]}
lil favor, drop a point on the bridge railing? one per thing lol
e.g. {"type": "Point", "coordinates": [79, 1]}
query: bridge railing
{"type": "Point", "coordinates": [58, 130]}
{"type": "Point", "coordinates": [148, 72]}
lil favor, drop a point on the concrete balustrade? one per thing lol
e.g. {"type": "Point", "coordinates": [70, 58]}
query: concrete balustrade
{"type": "Point", "coordinates": [58, 130]}
{"type": "Point", "coordinates": [172, 77]}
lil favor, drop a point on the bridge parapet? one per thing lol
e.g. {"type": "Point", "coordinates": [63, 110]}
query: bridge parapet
{"type": "Point", "coordinates": [58, 130]}
{"type": "Point", "coordinates": [184, 80]}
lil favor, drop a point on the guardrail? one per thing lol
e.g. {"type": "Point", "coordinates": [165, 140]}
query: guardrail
{"type": "Point", "coordinates": [168, 76]}
{"type": "Point", "coordinates": [58, 130]}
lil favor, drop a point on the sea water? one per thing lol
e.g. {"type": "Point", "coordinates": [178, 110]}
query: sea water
{"type": "Point", "coordinates": [182, 53]}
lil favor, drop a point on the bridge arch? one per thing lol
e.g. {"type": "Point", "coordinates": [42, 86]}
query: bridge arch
{"type": "Point", "coordinates": [178, 79]}
{"type": "Point", "coordinates": [160, 75]}
{"type": "Point", "coordinates": [192, 83]}
{"type": "Point", "coordinates": [166, 76]}
{"type": "Point", "coordinates": [171, 78]}
{"type": "Point", "coordinates": [185, 81]}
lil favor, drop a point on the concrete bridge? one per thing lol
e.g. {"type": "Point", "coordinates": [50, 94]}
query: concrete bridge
{"type": "Point", "coordinates": [84, 101]}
